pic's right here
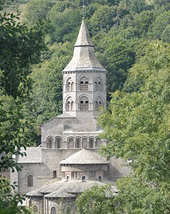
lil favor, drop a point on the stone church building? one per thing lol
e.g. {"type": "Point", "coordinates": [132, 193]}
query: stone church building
{"type": "Point", "coordinates": [67, 161]}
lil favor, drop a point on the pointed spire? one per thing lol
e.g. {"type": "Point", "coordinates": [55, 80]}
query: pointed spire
{"type": "Point", "coordinates": [84, 55]}
{"type": "Point", "coordinates": [83, 37]}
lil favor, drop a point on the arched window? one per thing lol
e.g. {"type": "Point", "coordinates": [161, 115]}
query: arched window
{"type": "Point", "coordinates": [77, 144]}
{"type": "Point", "coordinates": [69, 104]}
{"type": "Point", "coordinates": [53, 210]}
{"type": "Point", "coordinates": [69, 85]}
{"type": "Point", "coordinates": [68, 210]}
{"type": "Point", "coordinates": [35, 208]}
{"type": "Point", "coordinates": [30, 181]}
{"type": "Point", "coordinates": [98, 103]}
{"type": "Point", "coordinates": [83, 178]}
{"type": "Point", "coordinates": [72, 105]}
{"type": "Point", "coordinates": [84, 103]}
{"type": "Point", "coordinates": [84, 143]}
{"type": "Point", "coordinates": [98, 142]}
{"type": "Point", "coordinates": [100, 178]}
{"type": "Point", "coordinates": [84, 84]}
{"type": "Point", "coordinates": [91, 143]}
{"type": "Point", "coordinates": [57, 143]}
{"type": "Point", "coordinates": [67, 178]}
{"type": "Point", "coordinates": [49, 143]}
{"type": "Point", "coordinates": [70, 144]}
{"type": "Point", "coordinates": [98, 84]}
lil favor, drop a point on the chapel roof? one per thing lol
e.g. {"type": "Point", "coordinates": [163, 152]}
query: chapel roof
{"type": "Point", "coordinates": [31, 155]}
{"type": "Point", "coordinates": [63, 189]}
{"type": "Point", "coordinates": [84, 58]}
{"type": "Point", "coordinates": [85, 156]}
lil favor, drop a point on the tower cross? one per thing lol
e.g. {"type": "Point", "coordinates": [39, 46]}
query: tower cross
{"type": "Point", "coordinates": [83, 6]}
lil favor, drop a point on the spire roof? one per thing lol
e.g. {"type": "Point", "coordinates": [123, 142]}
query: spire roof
{"type": "Point", "coordinates": [84, 58]}
{"type": "Point", "coordinates": [83, 38]}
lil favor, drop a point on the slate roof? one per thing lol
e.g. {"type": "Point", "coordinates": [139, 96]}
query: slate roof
{"type": "Point", "coordinates": [62, 189]}
{"type": "Point", "coordinates": [85, 156]}
{"type": "Point", "coordinates": [84, 55]}
{"type": "Point", "coordinates": [33, 155]}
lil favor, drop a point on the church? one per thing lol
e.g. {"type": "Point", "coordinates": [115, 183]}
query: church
{"type": "Point", "coordinates": [67, 162]}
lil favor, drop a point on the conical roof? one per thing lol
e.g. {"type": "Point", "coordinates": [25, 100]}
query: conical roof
{"type": "Point", "coordinates": [85, 157]}
{"type": "Point", "coordinates": [84, 55]}
{"type": "Point", "coordinates": [83, 38]}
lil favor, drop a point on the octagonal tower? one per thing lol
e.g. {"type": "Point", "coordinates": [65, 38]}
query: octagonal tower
{"type": "Point", "coordinates": [84, 79]}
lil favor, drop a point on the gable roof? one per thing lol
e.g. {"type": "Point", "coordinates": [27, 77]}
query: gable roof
{"type": "Point", "coordinates": [85, 156]}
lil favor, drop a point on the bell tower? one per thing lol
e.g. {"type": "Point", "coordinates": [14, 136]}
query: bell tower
{"type": "Point", "coordinates": [84, 79]}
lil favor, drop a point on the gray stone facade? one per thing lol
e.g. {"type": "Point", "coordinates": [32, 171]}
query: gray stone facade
{"type": "Point", "coordinates": [67, 161]}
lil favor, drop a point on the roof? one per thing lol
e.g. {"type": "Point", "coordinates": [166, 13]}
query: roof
{"type": "Point", "coordinates": [33, 155]}
{"type": "Point", "coordinates": [85, 156]}
{"type": "Point", "coordinates": [84, 55]}
{"type": "Point", "coordinates": [83, 38]}
{"type": "Point", "coordinates": [62, 189]}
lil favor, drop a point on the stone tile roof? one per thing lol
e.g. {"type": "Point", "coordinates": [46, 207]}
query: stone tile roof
{"type": "Point", "coordinates": [60, 194]}
{"type": "Point", "coordinates": [85, 156]}
{"type": "Point", "coordinates": [83, 38]}
{"type": "Point", "coordinates": [33, 155]}
{"type": "Point", "coordinates": [84, 55]}
{"type": "Point", "coordinates": [71, 188]}
{"type": "Point", "coordinates": [65, 114]}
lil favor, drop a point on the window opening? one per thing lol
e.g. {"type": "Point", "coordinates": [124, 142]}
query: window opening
{"type": "Point", "coordinates": [53, 210]}
{"type": "Point", "coordinates": [35, 208]}
{"type": "Point", "coordinates": [49, 143]}
{"type": "Point", "coordinates": [54, 174]}
{"type": "Point", "coordinates": [83, 178]}
{"type": "Point", "coordinates": [58, 143]}
{"type": "Point", "coordinates": [67, 178]}
{"type": "Point", "coordinates": [100, 178]}
{"type": "Point", "coordinates": [30, 181]}
{"type": "Point", "coordinates": [91, 143]}
{"type": "Point", "coordinates": [72, 104]}
{"type": "Point", "coordinates": [77, 143]}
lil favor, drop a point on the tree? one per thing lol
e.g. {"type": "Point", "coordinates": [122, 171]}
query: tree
{"type": "Point", "coordinates": [96, 201]}
{"type": "Point", "coordinates": [47, 90]}
{"type": "Point", "coordinates": [19, 47]}
{"type": "Point", "coordinates": [137, 127]}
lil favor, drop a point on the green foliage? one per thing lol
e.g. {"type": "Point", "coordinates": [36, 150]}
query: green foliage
{"type": "Point", "coordinates": [47, 90]}
{"type": "Point", "coordinates": [137, 128]}
{"type": "Point", "coordinates": [9, 202]}
{"type": "Point", "coordinates": [36, 10]}
{"type": "Point", "coordinates": [19, 47]}
{"type": "Point", "coordinates": [96, 202]}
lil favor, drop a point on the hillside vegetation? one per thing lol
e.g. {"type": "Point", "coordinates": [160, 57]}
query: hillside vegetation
{"type": "Point", "coordinates": [119, 30]}
{"type": "Point", "coordinates": [131, 39]}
